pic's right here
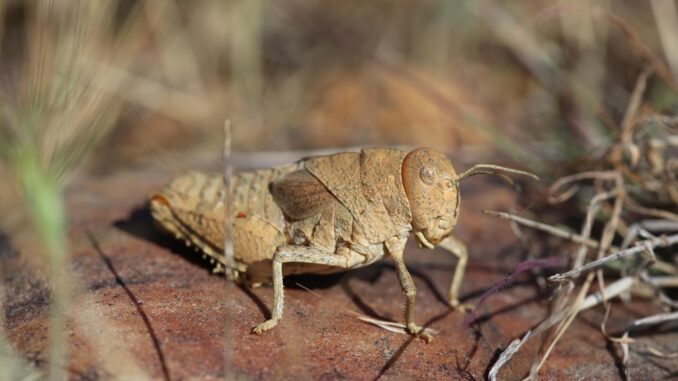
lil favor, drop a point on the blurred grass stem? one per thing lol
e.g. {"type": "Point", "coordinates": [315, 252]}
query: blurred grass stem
{"type": "Point", "coordinates": [247, 20]}
{"type": "Point", "coordinates": [666, 14]}
{"type": "Point", "coordinates": [45, 206]}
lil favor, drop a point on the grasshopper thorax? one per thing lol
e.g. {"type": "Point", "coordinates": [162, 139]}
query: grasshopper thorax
{"type": "Point", "coordinates": [432, 190]}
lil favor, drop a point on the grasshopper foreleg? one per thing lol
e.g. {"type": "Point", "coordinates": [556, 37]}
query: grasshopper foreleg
{"type": "Point", "coordinates": [396, 247]}
{"type": "Point", "coordinates": [458, 249]}
{"type": "Point", "coordinates": [299, 254]}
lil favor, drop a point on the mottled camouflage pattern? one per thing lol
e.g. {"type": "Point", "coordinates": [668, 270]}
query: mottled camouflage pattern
{"type": "Point", "coordinates": [348, 201]}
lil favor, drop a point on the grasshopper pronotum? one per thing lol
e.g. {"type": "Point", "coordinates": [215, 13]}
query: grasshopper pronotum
{"type": "Point", "coordinates": [323, 215]}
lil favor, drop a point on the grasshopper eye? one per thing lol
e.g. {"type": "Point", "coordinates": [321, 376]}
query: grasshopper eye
{"type": "Point", "coordinates": [426, 176]}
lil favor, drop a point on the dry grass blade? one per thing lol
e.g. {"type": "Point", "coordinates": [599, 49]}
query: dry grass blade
{"type": "Point", "coordinates": [666, 14]}
{"type": "Point", "coordinates": [383, 324]}
{"type": "Point", "coordinates": [619, 287]}
{"type": "Point", "coordinates": [391, 326]}
{"type": "Point", "coordinates": [506, 355]}
{"type": "Point", "coordinates": [570, 314]}
{"type": "Point", "coordinates": [628, 121]}
{"type": "Point", "coordinates": [663, 281]}
{"type": "Point", "coordinates": [625, 340]}
{"type": "Point", "coordinates": [640, 248]}
{"type": "Point", "coordinates": [654, 319]}
{"type": "Point", "coordinates": [658, 353]}
{"type": "Point", "coordinates": [559, 312]}
{"type": "Point", "coordinates": [657, 283]}
{"type": "Point", "coordinates": [639, 47]}
{"type": "Point", "coordinates": [591, 212]}
{"type": "Point", "coordinates": [568, 235]}
{"type": "Point", "coordinates": [643, 228]}
{"type": "Point", "coordinates": [598, 175]}
{"type": "Point", "coordinates": [229, 260]}
{"type": "Point", "coordinates": [634, 206]}
{"type": "Point", "coordinates": [612, 290]}
{"type": "Point", "coordinates": [605, 243]}
{"type": "Point", "coordinates": [558, 232]}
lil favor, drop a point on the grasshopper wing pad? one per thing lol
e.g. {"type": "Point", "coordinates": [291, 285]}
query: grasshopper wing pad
{"type": "Point", "coordinates": [300, 195]}
{"type": "Point", "coordinates": [340, 173]}
{"type": "Point", "coordinates": [380, 170]}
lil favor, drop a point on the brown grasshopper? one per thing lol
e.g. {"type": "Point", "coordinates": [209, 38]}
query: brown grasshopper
{"type": "Point", "coordinates": [323, 215]}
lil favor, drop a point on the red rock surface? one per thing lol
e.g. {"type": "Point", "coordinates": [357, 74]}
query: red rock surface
{"type": "Point", "coordinates": [148, 306]}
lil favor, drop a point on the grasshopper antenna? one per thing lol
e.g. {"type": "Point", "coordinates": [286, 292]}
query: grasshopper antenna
{"type": "Point", "coordinates": [491, 169]}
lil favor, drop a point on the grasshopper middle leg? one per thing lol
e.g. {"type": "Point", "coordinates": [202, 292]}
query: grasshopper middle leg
{"type": "Point", "coordinates": [299, 254]}
{"type": "Point", "coordinates": [458, 249]}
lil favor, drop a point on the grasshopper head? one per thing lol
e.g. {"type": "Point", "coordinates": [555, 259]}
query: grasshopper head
{"type": "Point", "coordinates": [432, 189]}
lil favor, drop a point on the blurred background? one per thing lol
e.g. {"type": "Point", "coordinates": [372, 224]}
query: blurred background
{"type": "Point", "coordinates": [90, 88]}
{"type": "Point", "coordinates": [533, 81]}
{"type": "Point", "coordinates": [94, 88]}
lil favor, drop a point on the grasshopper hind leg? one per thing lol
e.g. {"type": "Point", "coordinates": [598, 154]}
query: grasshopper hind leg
{"type": "Point", "coordinates": [299, 254]}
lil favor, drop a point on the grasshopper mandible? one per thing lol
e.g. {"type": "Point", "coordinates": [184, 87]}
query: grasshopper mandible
{"type": "Point", "coordinates": [322, 215]}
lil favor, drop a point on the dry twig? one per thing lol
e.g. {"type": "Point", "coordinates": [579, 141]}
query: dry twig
{"type": "Point", "coordinates": [639, 248]}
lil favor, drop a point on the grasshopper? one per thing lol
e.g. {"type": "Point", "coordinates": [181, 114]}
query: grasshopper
{"type": "Point", "coordinates": [323, 215]}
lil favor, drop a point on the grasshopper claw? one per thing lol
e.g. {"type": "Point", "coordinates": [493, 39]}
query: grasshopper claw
{"type": "Point", "coordinates": [461, 307]}
{"type": "Point", "coordinates": [426, 336]}
{"type": "Point", "coordinates": [265, 326]}
{"type": "Point", "coordinates": [419, 332]}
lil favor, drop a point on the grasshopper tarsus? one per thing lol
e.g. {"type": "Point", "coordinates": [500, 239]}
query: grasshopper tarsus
{"type": "Point", "coordinates": [419, 332]}
{"type": "Point", "coordinates": [265, 326]}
